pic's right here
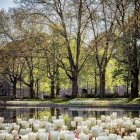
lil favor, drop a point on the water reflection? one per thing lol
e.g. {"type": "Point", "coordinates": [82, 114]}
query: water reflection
{"type": "Point", "coordinates": [10, 114]}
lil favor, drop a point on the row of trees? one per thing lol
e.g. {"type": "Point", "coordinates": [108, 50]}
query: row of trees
{"type": "Point", "coordinates": [67, 37]}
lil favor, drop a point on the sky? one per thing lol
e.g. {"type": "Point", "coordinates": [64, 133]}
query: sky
{"type": "Point", "coordinates": [5, 4]}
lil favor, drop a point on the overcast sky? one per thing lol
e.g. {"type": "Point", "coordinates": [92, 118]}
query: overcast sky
{"type": "Point", "coordinates": [5, 4]}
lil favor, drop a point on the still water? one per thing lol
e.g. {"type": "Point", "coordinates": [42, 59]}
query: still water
{"type": "Point", "coordinates": [11, 113]}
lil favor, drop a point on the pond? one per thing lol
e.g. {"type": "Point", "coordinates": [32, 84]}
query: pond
{"type": "Point", "coordinates": [11, 113]}
{"type": "Point", "coordinates": [69, 123]}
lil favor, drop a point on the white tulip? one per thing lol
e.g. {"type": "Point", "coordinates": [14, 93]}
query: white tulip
{"type": "Point", "coordinates": [22, 123]}
{"type": "Point", "coordinates": [4, 131]}
{"type": "Point", "coordinates": [119, 138]}
{"type": "Point", "coordinates": [28, 130]}
{"type": "Point", "coordinates": [137, 122]}
{"type": "Point", "coordinates": [62, 135]}
{"type": "Point", "coordinates": [31, 121]}
{"type": "Point", "coordinates": [127, 124]}
{"type": "Point", "coordinates": [114, 125]}
{"type": "Point", "coordinates": [36, 126]}
{"type": "Point", "coordinates": [96, 130]}
{"type": "Point", "coordinates": [24, 137]}
{"type": "Point", "coordinates": [60, 117]}
{"type": "Point", "coordinates": [32, 136]}
{"type": "Point", "coordinates": [93, 120]}
{"type": "Point", "coordinates": [79, 128]}
{"type": "Point", "coordinates": [9, 137]}
{"type": "Point", "coordinates": [54, 135]}
{"type": "Point", "coordinates": [64, 127]}
{"type": "Point", "coordinates": [45, 118]}
{"type": "Point", "coordinates": [129, 138]}
{"type": "Point", "coordinates": [2, 136]}
{"type": "Point", "coordinates": [41, 130]}
{"type": "Point", "coordinates": [103, 134]}
{"type": "Point", "coordinates": [114, 115]}
{"type": "Point", "coordinates": [83, 136]}
{"type": "Point", "coordinates": [107, 131]}
{"type": "Point", "coordinates": [69, 136]}
{"type": "Point", "coordinates": [73, 123]}
{"type": "Point", "coordinates": [103, 125]}
{"type": "Point", "coordinates": [15, 132]}
{"type": "Point", "coordinates": [120, 122]}
{"type": "Point", "coordinates": [16, 127]}
{"type": "Point", "coordinates": [99, 122]}
{"type": "Point", "coordinates": [134, 134]}
{"type": "Point", "coordinates": [22, 131]}
{"type": "Point", "coordinates": [43, 136]}
{"type": "Point", "coordinates": [83, 123]}
{"type": "Point", "coordinates": [53, 118]}
{"type": "Point", "coordinates": [112, 136]}
{"type": "Point", "coordinates": [103, 117]}
{"type": "Point", "coordinates": [133, 127]}
{"type": "Point", "coordinates": [107, 119]}
{"type": "Point", "coordinates": [49, 127]}
{"type": "Point", "coordinates": [102, 138]}
{"type": "Point", "coordinates": [109, 126]}
{"type": "Point", "coordinates": [8, 128]}
{"type": "Point", "coordinates": [138, 131]}
{"type": "Point", "coordinates": [85, 129]}
{"type": "Point", "coordinates": [78, 119]}
{"type": "Point", "coordinates": [59, 122]}
{"type": "Point", "coordinates": [19, 120]}
{"type": "Point", "coordinates": [88, 122]}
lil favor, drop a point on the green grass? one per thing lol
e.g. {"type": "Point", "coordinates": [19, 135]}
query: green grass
{"type": "Point", "coordinates": [78, 101]}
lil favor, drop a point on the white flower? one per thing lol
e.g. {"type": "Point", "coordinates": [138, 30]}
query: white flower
{"type": "Point", "coordinates": [78, 119]}
{"type": "Point", "coordinates": [96, 130]}
{"type": "Point", "coordinates": [83, 136]}
{"type": "Point", "coordinates": [32, 136]}
{"type": "Point", "coordinates": [54, 135]}
{"type": "Point", "coordinates": [43, 136]}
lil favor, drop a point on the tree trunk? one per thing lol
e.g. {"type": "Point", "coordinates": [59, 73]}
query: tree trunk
{"type": "Point", "coordinates": [57, 89]}
{"type": "Point", "coordinates": [14, 87]}
{"type": "Point", "coordinates": [37, 87]}
{"type": "Point", "coordinates": [135, 68]}
{"type": "Point", "coordinates": [14, 115]}
{"type": "Point", "coordinates": [57, 81]}
{"type": "Point", "coordinates": [31, 112]}
{"type": "Point", "coordinates": [31, 89]}
{"type": "Point", "coordinates": [135, 83]}
{"type": "Point", "coordinates": [127, 83]}
{"type": "Point", "coordinates": [95, 83]}
{"type": "Point", "coordinates": [52, 88]}
{"type": "Point", "coordinates": [102, 84]}
{"type": "Point", "coordinates": [74, 87]}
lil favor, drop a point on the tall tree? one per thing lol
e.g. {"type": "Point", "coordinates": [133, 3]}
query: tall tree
{"type": "Point", "coordinates": [127, 18]}
{"type": "Point", "coordinates": [102, 24]}
{"type": "Point", "coordinates": [70, 15]}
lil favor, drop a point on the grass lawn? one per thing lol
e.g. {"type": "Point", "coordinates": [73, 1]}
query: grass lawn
{"type": "Point", "coordinates": [76, 101]}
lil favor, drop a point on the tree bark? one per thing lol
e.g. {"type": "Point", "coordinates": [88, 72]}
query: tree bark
{"type": "Point", "coordinates": [135, 62]}
{"type": "Point", "coordinates": [14, 87]}
{"type": "Point", "coordinates": [127, 83]}
{"type": "Point", "coordinates": [135, 83]}
{"type": "Point", "coordinates": [102, 84]}
{"type": "Point", "coordinates": [37, 87]}
{"type": "Point", "coordinates": [74, 87]}
{"type": "Point", "coordinates": [31, 89]}
{"type": "Point", "coordinates": [57, 81]}
{"type": "Point", "coordinates": [95, 88]}
{"type": "Point", "coordinates": [52, 88]}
